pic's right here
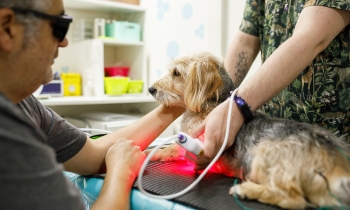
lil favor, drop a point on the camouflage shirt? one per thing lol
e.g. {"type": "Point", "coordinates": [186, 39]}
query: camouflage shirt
{"type": "Point", "coordinates": [321, 93]}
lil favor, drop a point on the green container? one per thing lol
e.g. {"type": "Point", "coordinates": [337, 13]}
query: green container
{"type": "Point", "coordinates": [116, 85]}
{"type": "Point", "coordinates": [124, 31]}
{"type": "Point", "coordinates": [135, 86]}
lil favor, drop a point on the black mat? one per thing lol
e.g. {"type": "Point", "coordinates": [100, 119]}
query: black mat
{"type": "Point", "coordinates": [212, 192]}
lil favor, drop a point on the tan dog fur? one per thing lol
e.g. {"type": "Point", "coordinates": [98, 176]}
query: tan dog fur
{"type": "Point", "coordinates": [281, 162]}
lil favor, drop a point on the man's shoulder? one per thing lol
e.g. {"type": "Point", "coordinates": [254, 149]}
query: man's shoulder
{"type": "Point", "coordinates": [12, 117]}
{"type": "Point", "coordinates": [7, 107]}
{"type": "Point", "coordinates": [29, 101]}
{"type": "Point", "coordinates": [4, 101]}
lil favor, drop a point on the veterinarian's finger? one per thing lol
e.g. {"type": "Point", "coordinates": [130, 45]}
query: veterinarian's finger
{"type": "Point", "coordinates": [201, 163]}
{"type": "Point", "coordinates": [208, 147]}
{"type": "Point", "coordinates": [198, 131]}
{"type": "Point", "coordinates": [190, 157]}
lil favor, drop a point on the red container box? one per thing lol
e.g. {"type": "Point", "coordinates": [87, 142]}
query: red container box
{"type": "Point", "coordinates": [117, 71]}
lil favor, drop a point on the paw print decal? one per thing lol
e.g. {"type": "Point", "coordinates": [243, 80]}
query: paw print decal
{"type": "Point", "coordinates": [163, 7]}
{"type": "Point", "coordinates": [200, 31]}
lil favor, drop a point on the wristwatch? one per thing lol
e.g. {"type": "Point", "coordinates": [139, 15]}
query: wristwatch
{"type": "Point", "coordinates": [243, 107]}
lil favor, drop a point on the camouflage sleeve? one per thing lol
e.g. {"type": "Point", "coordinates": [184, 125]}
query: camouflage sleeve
{"type": "Point", "coordinates": [338, 4]}
{"type": "Point", "coordinates": [250, 21]}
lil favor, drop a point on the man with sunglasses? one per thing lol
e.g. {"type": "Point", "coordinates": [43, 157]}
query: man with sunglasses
{"type": "Point", "coordinates": [31, 149]}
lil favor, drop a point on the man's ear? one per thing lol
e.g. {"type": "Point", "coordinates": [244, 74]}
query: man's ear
{"type": "Point", "coordinates": [7, 24]}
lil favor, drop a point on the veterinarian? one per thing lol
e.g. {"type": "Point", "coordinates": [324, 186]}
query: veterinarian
{"type": "Point", "coordinates": [34, 151]}
{"type": "Point", "coordinates": [305, 75]}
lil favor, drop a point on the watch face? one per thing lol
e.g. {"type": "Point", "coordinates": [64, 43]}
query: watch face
{"type": "Point", "coordinates": [240, 102]}
{"type": "Point", "coordinates": [244, 108]}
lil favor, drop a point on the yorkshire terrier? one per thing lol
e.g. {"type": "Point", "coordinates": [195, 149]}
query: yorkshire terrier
{"type": "Point", "coordinates": [282, 162]}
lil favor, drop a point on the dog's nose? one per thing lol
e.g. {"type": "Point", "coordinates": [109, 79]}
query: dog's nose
{"type": "Point", "coordinates": [152, 90]}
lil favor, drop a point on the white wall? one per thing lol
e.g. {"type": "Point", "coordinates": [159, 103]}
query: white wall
{"type": "Point", "coordinates": [232, 15]}
{"type": "Point", "coordinates": [232, 12]}
{"type": "Point", "coordinates": [174, 28]}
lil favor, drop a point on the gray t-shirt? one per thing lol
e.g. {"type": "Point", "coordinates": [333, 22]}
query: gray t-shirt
{"type": "Point", "coordinates": [30, 177]}
{"type": "Point", "coordinates": [65, 138]}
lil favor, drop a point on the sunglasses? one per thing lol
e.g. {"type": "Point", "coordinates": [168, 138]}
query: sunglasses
{"type": "Point", "coordinates": [59, 23]}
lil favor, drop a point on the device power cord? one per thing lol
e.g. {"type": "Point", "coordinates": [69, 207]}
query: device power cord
{"type": "Point", "coordinates": [86, 130]}
{"type": "Point", "coordinates": [171, 196]}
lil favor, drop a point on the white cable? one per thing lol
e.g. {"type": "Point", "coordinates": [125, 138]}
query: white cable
{"type": "Point", "coordinates": [171, 196]}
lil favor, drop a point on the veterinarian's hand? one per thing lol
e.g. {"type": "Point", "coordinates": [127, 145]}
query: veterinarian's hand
{"type": "Point", "coordinates": [214, 128]}
{"type": "Point", "coordinates": [125, 156]}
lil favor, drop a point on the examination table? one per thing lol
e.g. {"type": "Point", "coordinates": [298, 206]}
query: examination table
{"type": "Point", "coordinates": [164, 178]}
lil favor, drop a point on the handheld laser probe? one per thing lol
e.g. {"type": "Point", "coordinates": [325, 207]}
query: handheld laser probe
{"type": "Point", "coordinates": [190, 144]}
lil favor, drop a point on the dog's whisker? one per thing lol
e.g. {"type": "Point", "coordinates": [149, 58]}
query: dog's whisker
{"type": "Point", "coordinates": [167, 98]}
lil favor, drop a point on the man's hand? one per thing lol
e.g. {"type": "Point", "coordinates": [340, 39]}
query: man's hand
{"type": "Point", "coordinates": [125, 157]}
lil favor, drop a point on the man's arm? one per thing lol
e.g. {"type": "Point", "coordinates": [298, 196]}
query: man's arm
{"type": "Point", "coordinates": [91, 158]}
{"type": "Point", "coordinates": [123, 161]}
{"type": "Point", "coordinates": [240, 55]}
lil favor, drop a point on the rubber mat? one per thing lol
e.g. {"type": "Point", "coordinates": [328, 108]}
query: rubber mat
{"type": "Point", "coordinates": [212, 192]}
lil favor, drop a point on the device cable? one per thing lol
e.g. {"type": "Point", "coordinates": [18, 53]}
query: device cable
{"type": "Point", "coordinates": [149, 156]}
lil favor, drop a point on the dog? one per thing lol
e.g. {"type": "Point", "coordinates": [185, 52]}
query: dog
{"type": "Point", "coordinates": [282, 162]}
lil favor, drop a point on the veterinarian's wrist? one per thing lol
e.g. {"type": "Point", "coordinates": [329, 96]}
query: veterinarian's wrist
{"type": "Point", "coordinates": [243, 107]}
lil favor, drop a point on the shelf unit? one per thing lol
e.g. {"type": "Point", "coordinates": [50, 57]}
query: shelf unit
{"type": "Point", "coordinates": [103, 5]}
{"type": "Point", "coordinates": [81, 100]}
{"type": "Point", "coordinates": [98, 53]}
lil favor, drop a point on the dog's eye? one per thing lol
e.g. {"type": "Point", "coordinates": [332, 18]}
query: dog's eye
{"type": "Point", "coordinates": [176, 73]}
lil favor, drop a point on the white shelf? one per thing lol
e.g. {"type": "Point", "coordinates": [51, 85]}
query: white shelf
{"type": "Point", "coordinates": [82, 100]}
{"type": "Point", "coordinates": [94, 54]}
{"type": "Point", "coordinates": [103, 5]}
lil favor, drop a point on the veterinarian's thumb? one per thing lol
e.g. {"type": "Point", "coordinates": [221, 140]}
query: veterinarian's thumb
{"type": "Point", "coordinates": [208, 147]}
{"type": "Point", "coordinates": [198, 131]}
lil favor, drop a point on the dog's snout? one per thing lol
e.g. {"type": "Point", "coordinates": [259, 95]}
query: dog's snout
{"type": "Point", "coordinates": [152, 90]}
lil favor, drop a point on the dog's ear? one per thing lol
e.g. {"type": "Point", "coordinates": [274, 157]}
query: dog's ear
{"type": "Point", "coordinates": [203, 82]}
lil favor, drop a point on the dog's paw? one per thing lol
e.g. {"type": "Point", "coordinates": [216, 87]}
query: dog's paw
{"type": "Point", "coordinates": [237, 190]}
{"type": "Point", "coordinates": [147, 152]}
{"type": "Point", "coordinates": [158, 156]}
{"type": "Point", "coordinates": [172, 152]}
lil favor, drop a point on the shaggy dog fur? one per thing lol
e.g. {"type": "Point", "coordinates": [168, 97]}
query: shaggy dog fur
{"type": "Point", "coordinates": [281, 162]}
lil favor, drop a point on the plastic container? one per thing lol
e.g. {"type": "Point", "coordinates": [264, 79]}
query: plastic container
{"type": "Point", "coordinates": [124, 31]}
{"type": "Point", "coordinates": [116, 85]}
{"type": "Point", "coordinates": [72, 84]}
{"type": "Point", "coordinates": [135, 86]}
{"type": "Point", "coordinates": [112, 71]}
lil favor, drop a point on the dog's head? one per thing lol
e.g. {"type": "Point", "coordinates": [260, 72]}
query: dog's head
{"type": "Point", "coordinates": [196, 81]}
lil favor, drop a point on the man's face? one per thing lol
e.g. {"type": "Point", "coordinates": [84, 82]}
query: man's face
{"type": "Point", "coordinates": [26, 64]}
{"type": "Point", "coordinates": [39, 55]}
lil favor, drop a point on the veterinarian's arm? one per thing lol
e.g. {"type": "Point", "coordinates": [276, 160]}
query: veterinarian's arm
{"type": "Point", "coordinates": [240, 55]}
{"type": "Point", "coordinates": [316, 27]}
{"type": "Point", "coordinates": [91, 158]}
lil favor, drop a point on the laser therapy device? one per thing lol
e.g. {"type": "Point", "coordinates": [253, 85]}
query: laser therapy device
{"type": "Point", "coordinates": [195, 146]}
